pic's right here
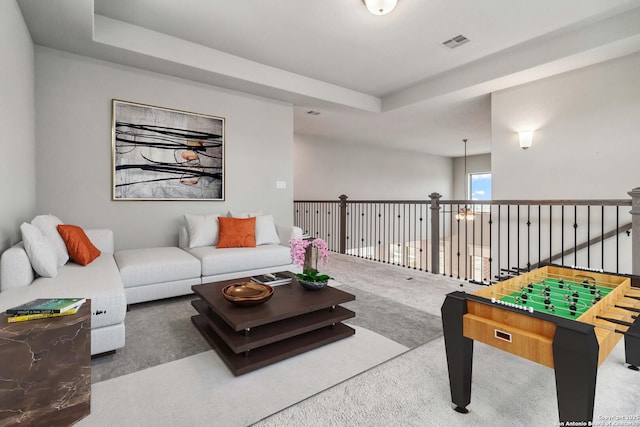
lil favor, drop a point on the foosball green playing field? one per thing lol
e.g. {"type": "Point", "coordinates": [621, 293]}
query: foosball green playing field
{"type": "Point", "coordinates": [555, 295]}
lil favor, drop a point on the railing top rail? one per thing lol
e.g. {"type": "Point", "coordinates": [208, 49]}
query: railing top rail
{"type": "Point", "coordinates": [427, 201]}
{"type": "Point", "coordinates": [592, 202]}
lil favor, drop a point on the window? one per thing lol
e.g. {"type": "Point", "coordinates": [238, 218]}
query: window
{"type": "Point", "coordinates": [480, 186]}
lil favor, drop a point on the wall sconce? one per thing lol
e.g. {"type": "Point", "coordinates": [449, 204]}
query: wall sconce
{"type": "Point", "coordinates": [380, 7]}
{"type": "Point", "coordinates": [526, 137]}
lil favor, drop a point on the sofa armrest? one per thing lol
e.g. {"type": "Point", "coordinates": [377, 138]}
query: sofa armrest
{"type": "Point", "coordinates": [288, 232]}
{"type": "Point", "coordinates": [102, 239]}
{"type": "Point", "coordinates": [15, 268]}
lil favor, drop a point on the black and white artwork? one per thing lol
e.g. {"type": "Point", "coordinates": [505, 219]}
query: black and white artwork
{"type": "Point", "coordinates": [165, 154]}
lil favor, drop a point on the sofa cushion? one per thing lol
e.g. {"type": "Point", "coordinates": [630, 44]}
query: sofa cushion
{"type": "Point", "coordinates": [48, 225]}
{"type": "Point", "coordinates": [80, 248]}
{"type": "Point", "coordinates": [41, 253]}
{"type": "Point", "coordinates": [237, 232]}
{"type": "Point", "coordinates": [155, 265]}
{"type": "Point", "coordinates": [100, 282]}
{"type": "Point", "coordinates": [203, 229]}
{"type": "Point", "coordinates": [266, 233]}
{"type": "Point", "coordinates": [229, 260]}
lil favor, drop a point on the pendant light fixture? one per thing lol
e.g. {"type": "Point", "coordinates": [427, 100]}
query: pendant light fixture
{"type": "Point", "coordinates": [380, 7]}
{"type": "Point", "coordinates": [465, 213]}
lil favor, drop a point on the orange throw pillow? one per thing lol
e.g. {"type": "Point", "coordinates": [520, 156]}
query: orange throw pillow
{"type": "Point", "coordinates": [80, 248]}
{"type": "Point", "coordinates": [237, 232]}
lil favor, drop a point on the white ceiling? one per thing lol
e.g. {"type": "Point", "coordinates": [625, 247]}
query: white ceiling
{"type": "Point", "coordinates": [382, 80]}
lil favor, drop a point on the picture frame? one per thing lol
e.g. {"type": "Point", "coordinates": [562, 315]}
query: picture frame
{"type": "Point", "coordinates": [166, 154]}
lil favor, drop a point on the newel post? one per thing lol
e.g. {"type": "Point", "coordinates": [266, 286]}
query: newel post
{"type": "Point", "coordinates": [343, 224]}
{"type": "Point", "coordinates": [435, 232]}
{"type": "Point", "coordinates": [635, 230]}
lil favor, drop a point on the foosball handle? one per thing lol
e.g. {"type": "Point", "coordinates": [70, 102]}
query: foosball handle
{"type": "Point", "coordinates": [461, 410]}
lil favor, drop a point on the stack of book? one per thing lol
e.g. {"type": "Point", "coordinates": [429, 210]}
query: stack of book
{"type": "Point", "coordinates": [272, 279]}
{"type": "Point", "coordinates": [43, 308]}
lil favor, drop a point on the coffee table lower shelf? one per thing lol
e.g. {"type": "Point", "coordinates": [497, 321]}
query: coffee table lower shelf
{"type": "Point", "coordinates": [243, 363]}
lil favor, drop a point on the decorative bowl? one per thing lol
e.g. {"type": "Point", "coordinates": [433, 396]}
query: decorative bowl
{"type": "Point", "coordinates": [312, 286]}
{"type": "Point", "coordinates": [247, 293]}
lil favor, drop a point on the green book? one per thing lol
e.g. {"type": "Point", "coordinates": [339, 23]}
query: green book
{"type": "Point", "coordinates": [47, 306]}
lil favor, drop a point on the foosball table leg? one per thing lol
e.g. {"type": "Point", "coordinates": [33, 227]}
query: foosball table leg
{"type": "Point", "coordinates": [575, 358]}
{"type": "Point", "coordinates": [632, 345]}
{"type": "Point", "coordinates": [459, 350]}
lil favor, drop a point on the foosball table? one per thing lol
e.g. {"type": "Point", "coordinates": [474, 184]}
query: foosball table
{"type": "Point", "coordinates": [568, 319]}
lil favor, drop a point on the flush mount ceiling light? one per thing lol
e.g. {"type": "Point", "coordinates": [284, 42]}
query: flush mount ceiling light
{"type": "Point", "coordinates": [380, 7]}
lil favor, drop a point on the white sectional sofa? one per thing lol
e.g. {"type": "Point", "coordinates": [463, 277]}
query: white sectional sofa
{"type": "Point", "coordinates": [100, 281]}
{"type": "Point", "coordinates": [114, 280]}
{"type": "Point", "coordinates": [154, 273]}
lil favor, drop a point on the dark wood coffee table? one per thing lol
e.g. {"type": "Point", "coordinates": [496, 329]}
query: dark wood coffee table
{"type": "Point", "coordinates": [293, 321]}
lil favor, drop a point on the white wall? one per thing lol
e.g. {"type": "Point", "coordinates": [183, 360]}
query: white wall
{"type": "Point", "coordinates": [475, 164]}
{"type": "Point", "coordinates": [326, 169]}
{"type": "Point", "coordinates": [587, 139]}
{"type": "Point", "coordinates": [73, 133]}
{"type": "Point", "coordinates": [17, 113]}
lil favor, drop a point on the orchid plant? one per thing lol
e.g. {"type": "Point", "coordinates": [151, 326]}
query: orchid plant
{"type": "Point", "coordinates": [319, 251]}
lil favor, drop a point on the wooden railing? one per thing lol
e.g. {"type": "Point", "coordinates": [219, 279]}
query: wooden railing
{"type": "Point", "coordinates": [480, 241]}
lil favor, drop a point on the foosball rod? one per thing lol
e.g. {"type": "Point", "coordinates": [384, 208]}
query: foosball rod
{"type": "Point", "coordinates": [576, 280]}
{"type": "Point", "coordinates": [619, 314]}
{"type": "Point", "coordinates": [632, 304]}
{"type": "Point", "coordinates": [609, 328]}
{"type": "Point", "coordinates": [633, 309]}
{"type": "Point", "coordinates": [550, 298]}
{"type": "Point", "coordinates": [618, 331]}
{"type": "Point", "coordinates": [617, 321]}
{"type": "Point", "coordinates": [555, 307]}
{"type": "Point", "coordinates": [542, 287]}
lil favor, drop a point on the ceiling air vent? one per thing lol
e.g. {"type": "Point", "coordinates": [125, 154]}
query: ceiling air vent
{"type": "Point", "coordinates": [455, 42]}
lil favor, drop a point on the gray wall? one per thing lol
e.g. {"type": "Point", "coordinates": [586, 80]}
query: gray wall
{"type": "Point", "coordinates": [17, 112]}
{"type": "Point", "coordinates": [586, 143]}
{"type": "Point", "coordinates": [475, 164]}
{"type": "Point", "coordinates": [327, 169]}
{"type": "Point", "coordinates": [73, 133]}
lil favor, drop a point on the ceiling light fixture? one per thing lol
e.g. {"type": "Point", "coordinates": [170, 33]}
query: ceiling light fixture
{"type": "Point", "coordinates": [380, 7]}
{"type": "Point", "coordinates": [465, 213]}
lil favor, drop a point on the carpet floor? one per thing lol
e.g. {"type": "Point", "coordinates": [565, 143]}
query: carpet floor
{"type": "Point", "coordinates": [167, 369]}
{"type": "Point", "coordinates": [388, 302]}
{"type": "Point", "coordinates": [199, 390]}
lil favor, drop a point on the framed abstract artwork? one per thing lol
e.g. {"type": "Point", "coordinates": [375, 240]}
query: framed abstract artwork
{"type": "Point", "coordinates": [165, 154]}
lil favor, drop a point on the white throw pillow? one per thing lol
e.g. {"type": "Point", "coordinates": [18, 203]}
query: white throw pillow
{"type": "Point", "coordinates": [203, 230]}
{"type": "Point", "coordinates": [47, 224]}
{"type": "Point", "coordinates": [266, 233]}
{"type": "Point", "coordinates": [236, 214]}
{"type": "Point", "coordinates": [39, 250]}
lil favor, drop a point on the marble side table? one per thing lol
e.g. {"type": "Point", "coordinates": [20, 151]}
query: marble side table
{"type": "Point", "coordinates": [45, 370]}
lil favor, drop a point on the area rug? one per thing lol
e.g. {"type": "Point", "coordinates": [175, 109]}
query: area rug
{"type": "Point", "coordinates": [199, 390]}
{"type": "Point", "coordinates": [413, 390]}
